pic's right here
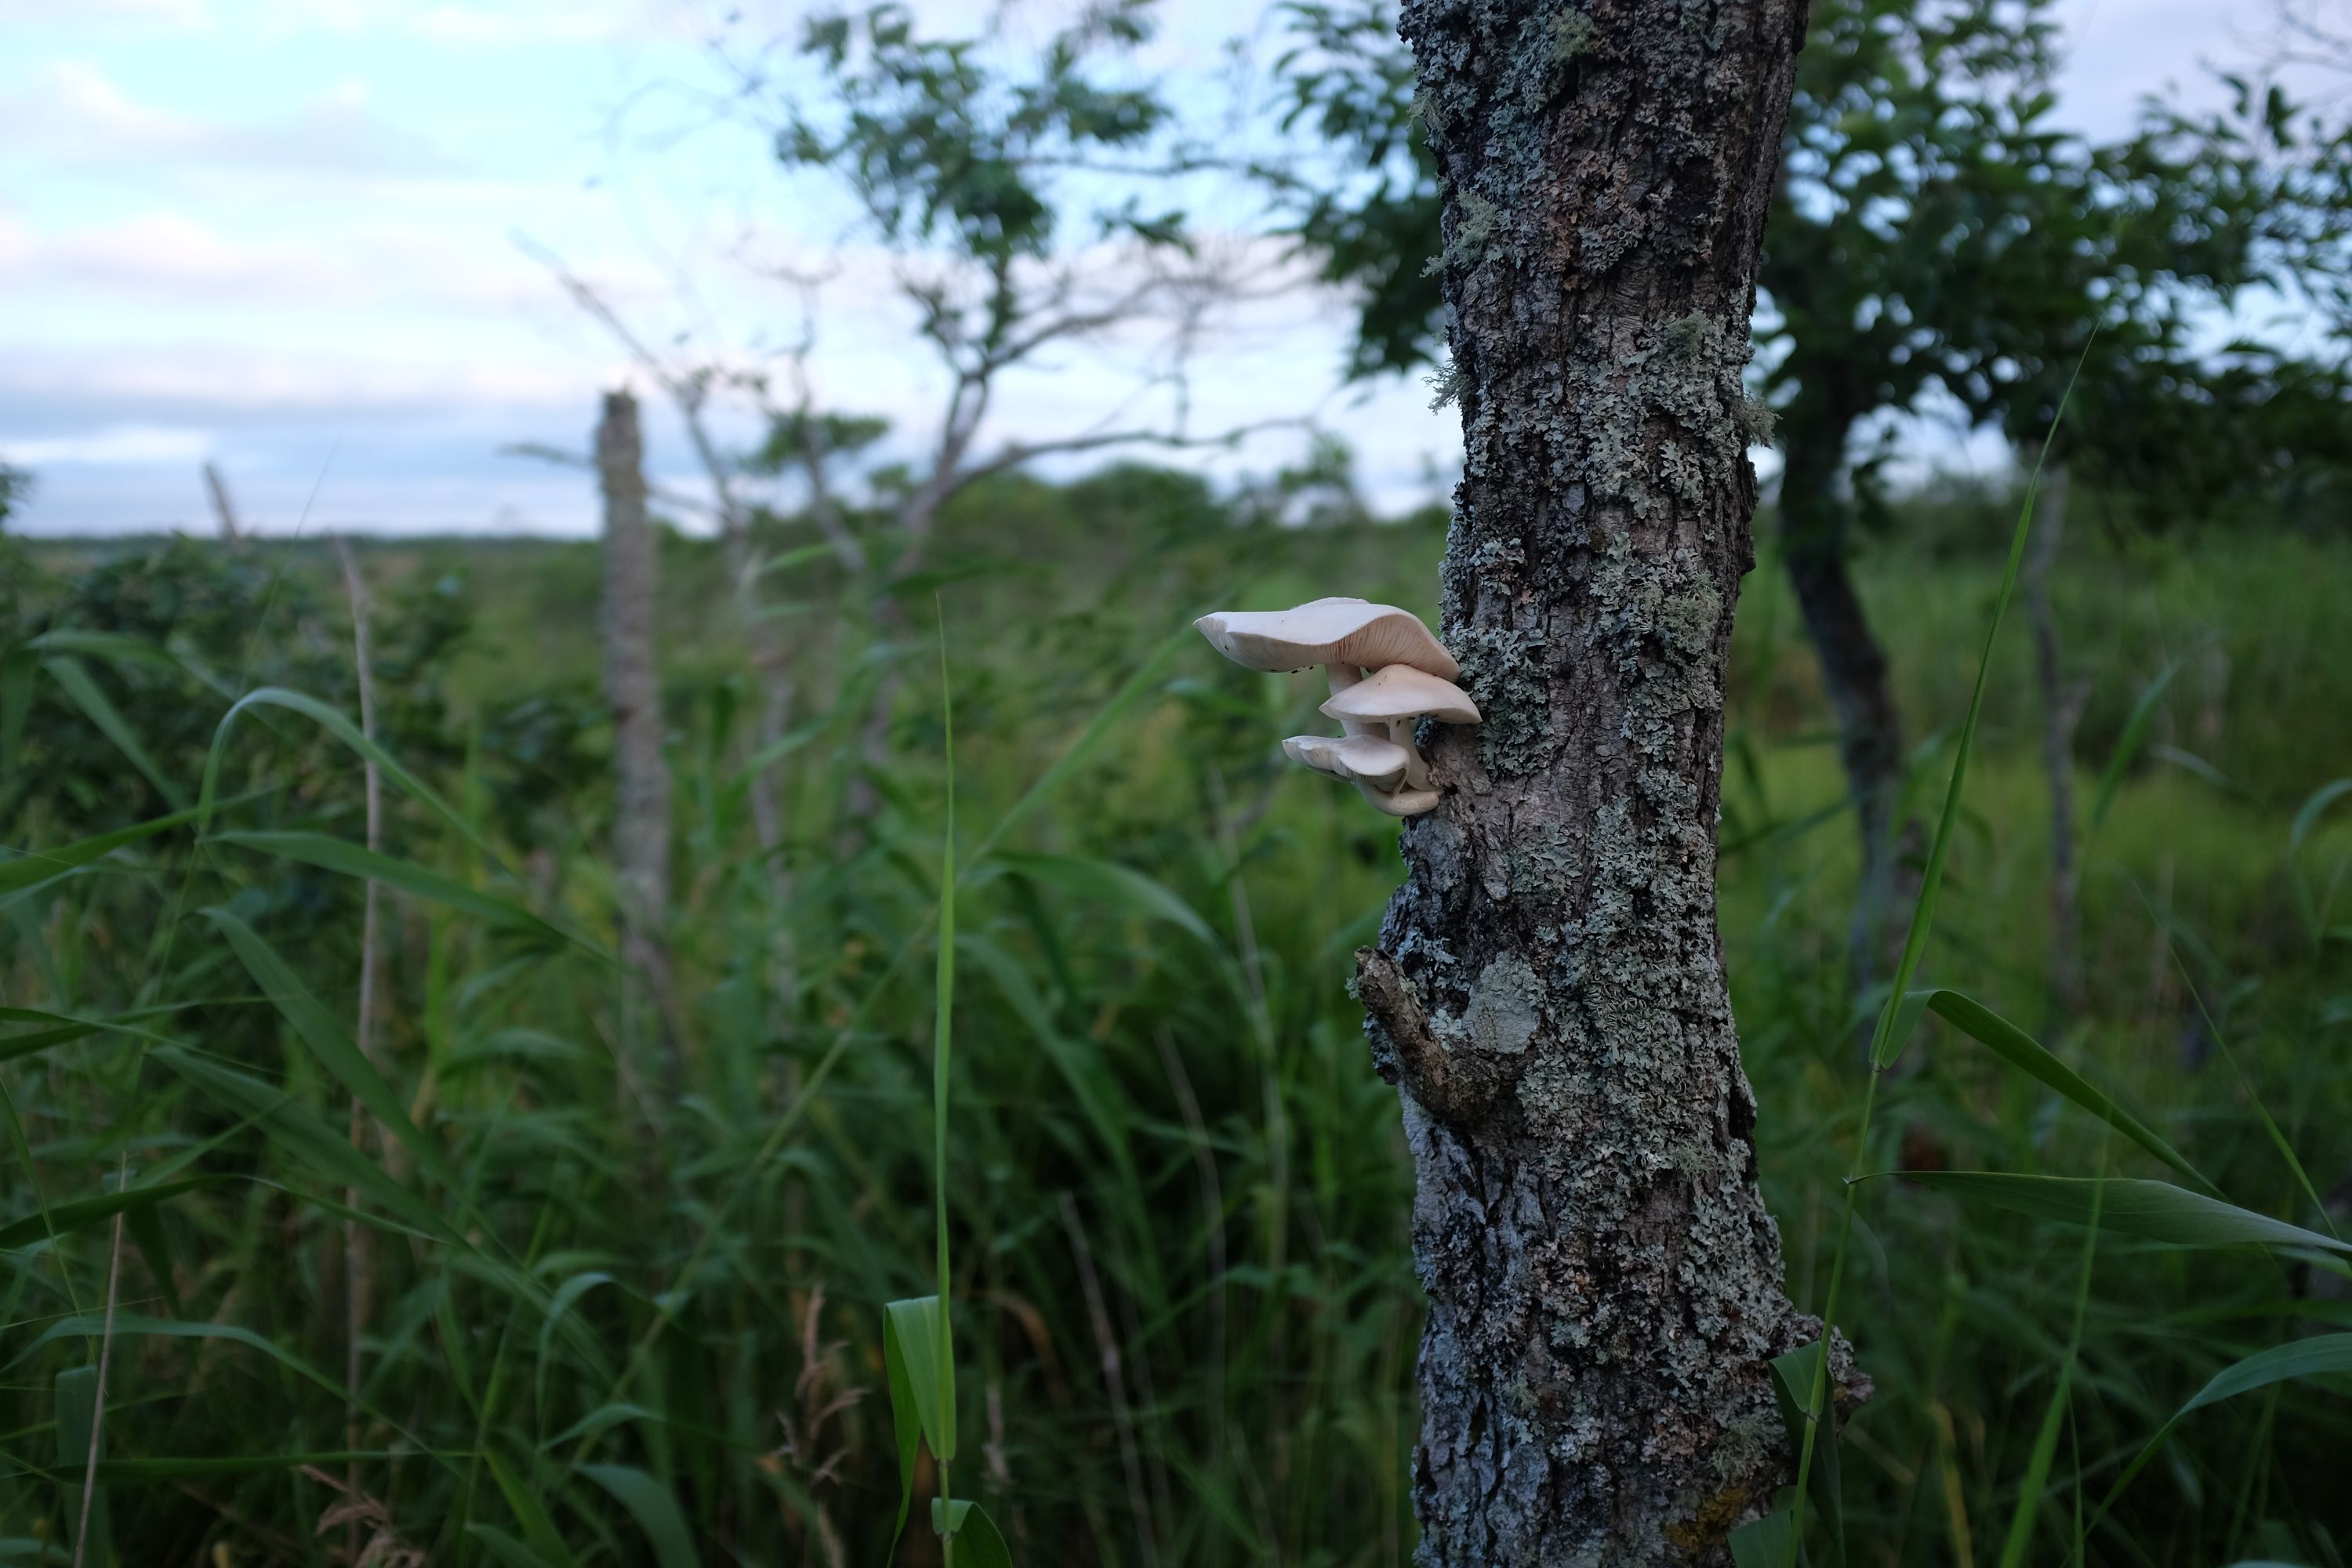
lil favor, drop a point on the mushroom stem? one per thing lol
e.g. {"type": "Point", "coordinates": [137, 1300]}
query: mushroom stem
{"type": "Point", "coordinates": [1416, 767]}
{"type": "Point", "coordinates": [1341, 677]}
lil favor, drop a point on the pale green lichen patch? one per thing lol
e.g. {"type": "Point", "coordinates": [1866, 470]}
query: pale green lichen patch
{"type": "Point", "coordinates": [1506, 1007]}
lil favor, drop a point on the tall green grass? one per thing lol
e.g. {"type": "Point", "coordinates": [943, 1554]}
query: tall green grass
{"type": "Point", "coordinates": [615, 1326]}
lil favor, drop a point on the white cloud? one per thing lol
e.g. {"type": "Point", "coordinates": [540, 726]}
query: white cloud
{"type": "Point", "coordinates": [235, 378]}
{"type": "Point", "coordinates": [77, 115]}
{"type": "Point", "coordinates": [116, 445]}
{"type": "Point", "coordinates": [83, 13]}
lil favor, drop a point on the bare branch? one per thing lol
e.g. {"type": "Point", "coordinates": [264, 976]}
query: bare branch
{"type": "Point", "coordinates": [566, 459]}
{"type": "Point", "coordinates": [1014, 454]}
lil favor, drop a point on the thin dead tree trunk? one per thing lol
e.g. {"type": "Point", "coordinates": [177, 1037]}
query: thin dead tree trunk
{"type": "Point", "coordinates": [1604, 1282]}
{"type": "Point", "coordinates": [689, 392]}
{"type": "Point", "coordinates": [633, 686]}
{"type": "Point", "coordinates": [359, 1243]}
{"type": "Point", "coordinates": [2061, 710]}
{"type": "Point", "coordinates": [224, 512]}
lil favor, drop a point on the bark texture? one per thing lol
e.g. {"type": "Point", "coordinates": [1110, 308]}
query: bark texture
{"type": "Point", "coordinates": [633, 687]}
{"type": "Point", "coordinates": [1604, 1282]}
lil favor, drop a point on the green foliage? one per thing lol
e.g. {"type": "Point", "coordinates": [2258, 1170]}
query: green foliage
{"type": "Point", "coordinates": [936, 139]}
{"type": "Point", "coordinates": [16, 489]}
{"type": "Point", "coordinates": [1932, 232]}
{"type": "Point", "coordinates": [614, 1327]}
{"type": "Point", "coordinates": [950, 149]}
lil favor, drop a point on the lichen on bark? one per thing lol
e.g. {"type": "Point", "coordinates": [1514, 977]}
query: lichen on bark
{"type": "Point", "coordinates": [1604, 1282]}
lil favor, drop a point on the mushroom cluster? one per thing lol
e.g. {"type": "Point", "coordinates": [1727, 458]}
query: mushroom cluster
{"type": "Point", "coordinates": [1386, 673]}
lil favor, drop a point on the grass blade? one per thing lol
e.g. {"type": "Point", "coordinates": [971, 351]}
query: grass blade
{"type": "Point", "coordinates": [2153, 1210]}
{"type": "Point", "coordinates": [2316, 1357]}
{"type": "Point", "coordinates": [2127, 751]}
{"type": "Point", "coordinates": [1884, 1037]}
{"type": "Point", "coordinates": [80, 1214]}
{"type": "Point", "coordinates": [35, 867]}
{"type": "Point", "coordinates": [2021, 1050]}
{"type": "Point", "coordinates": [538, 1529]}
{"type": "Point", "coordinates": [341, 856]}
{"type": "Point", "coordinates": [300, 1131]}
{"type": "Point", "coordinates": [100, 712]}
{"type": "Point", "coordinates": [344, 730]}
{"type": "Point", "coordinates": [655, 1509]}
{"type": "Point", "coordinates": [2045, 1441]}
{"type": "Point", "coordinates": [1792, 1377]}
{"type": "Point", "coordinates": [324, 1034]}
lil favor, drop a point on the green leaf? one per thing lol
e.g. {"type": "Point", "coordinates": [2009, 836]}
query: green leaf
{"type": "Point", "coordinates": [300, 1131]}
{"type": "Point", "coordinates": [546, 1541]}
{"type": "Point", "coordinates": [2153, 1210]}
{"type": "Point", "coordinates": [2312, 809]}
{"type": "Point", "coordinates": [2127, 745]}
{"type": "Point", "coordinates": [1794, 1376]}
{"type": "Point", "coordinates": [166, 1468]}
{"type": "Point", "coordinates": [2316, 1357]}
{"type": "Point", "coordinates": [978, 1543]}
{"type": "Point", "coordinates": [120, 647]}
{"type": "Point", "coordinates": [511, 1552]}
{"type": "Point", "coordinates": [906, 1422]}
{"type": "Point", "coordinates": [1769, 1542]}
{"type": "Point", "coordinates": [341, 856]}
{"type": "Point", "coordinates": [344, 730]}
{"type": "Point", "coordinates": [82, 1212]}
{"type": "Point", "coordinates": [652, 1506]}
{"type": "Point", "coordinates": [913, 1327]}
{"type": "Point", "coordinates": [130, 1325]}
{"type": "Point", "coordinates": [324, 1034]}
{"type": "Point", "coordinates": [70, 1025]}
{"type": "Point", "coordinates": [597, 1420]}
{"type": "Point", "coordinates": [16, 702]}
{"type": "Point", "coordinates": [2036, 1481]}
{"type": "Point", "coordinates": [100, 713]}
{"type": "Point", "coordinates": [35, 867]}
{"type": "Point", "coordinates": [1088, 740]}
{"type": "Point", "coordinates": [2021, 1050]}
{"type": "Point", "coordinates": [1114, 886]}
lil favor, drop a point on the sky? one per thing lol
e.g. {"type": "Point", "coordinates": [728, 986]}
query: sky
{"type": "Point", "coordinates": [295, 239]}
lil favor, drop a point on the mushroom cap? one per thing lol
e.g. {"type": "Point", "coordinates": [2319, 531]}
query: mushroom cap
{"type": "Point", "coordinates": [1327, 631]}
{"type": "Point", "coordinates": [1351, 759]}
{"type": "Point", "coordinates": [1400, 692]}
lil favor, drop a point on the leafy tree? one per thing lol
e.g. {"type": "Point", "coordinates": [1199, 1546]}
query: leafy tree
{"type": "Point", "coordinates": [15, 485]}
{"type": "Point", "coordinates": [1931, 235]}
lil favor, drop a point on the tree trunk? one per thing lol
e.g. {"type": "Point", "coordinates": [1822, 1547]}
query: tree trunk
{"type": "Point", "coordinates": [1854, 674]}
{"type": "Point", "coordinates": [2062, 708]}
{"type": "Point", "coordinates": [633, 685]}
{"type": "Point", "coordinates": [1604, 1282]}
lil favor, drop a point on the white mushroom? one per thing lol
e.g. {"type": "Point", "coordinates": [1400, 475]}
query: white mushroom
{"type": "Point", "coordinates": [1347, 636]}
{"type": "Point", "coordinates": [1396, 698]}
{"type": "Point", "coordinates": [1327, 631]}
{"type": "Point", "coordinates": [1351, 759]}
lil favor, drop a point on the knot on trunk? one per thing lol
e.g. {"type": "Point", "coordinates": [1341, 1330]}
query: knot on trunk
{"type": "Point", "coordinates": [1455, 1087]}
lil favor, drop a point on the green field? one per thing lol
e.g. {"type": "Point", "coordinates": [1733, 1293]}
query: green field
{"type": "Point", "coordinates": [625, 1310]}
